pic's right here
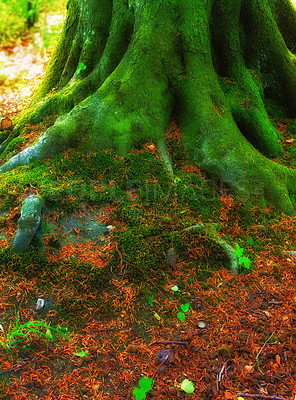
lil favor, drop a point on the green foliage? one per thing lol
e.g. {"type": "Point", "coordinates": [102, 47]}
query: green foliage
{"type": "Point", "coordinates": [145, 385]}
{"type": "Point", "coordinates": [242, 260]}
{"type": "Point", "coordinates": [81, 354]}
{"type": "Point", "coordinates": [19, 333]}
{"type": "Point", "coordinates": [81, 67]}
{"type": "Point", "coordinates": [187, 386]}
{"type": "Point", "coordinates": [185, 308]}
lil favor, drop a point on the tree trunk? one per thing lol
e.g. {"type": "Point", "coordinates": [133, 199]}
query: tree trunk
{"type": "Point", "coordinates": [124, 69]}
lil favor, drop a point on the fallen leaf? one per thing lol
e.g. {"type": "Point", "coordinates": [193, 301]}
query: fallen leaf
{"type": "Point", "coordinates": [248, 368]}
{"type": "Point", "coordinates": [157, 316]}
{"type": "Point", "coordinates": [228, 395]}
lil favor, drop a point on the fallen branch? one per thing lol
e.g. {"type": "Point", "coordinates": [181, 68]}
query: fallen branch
{"type": "Point", "coordinates": [211, 232]}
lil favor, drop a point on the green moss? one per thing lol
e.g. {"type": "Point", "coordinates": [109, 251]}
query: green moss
{"type": "Point", "coordinates": [11, 149]}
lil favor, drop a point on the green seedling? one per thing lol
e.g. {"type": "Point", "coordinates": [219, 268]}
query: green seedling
{"type": "Point", "coordinates": [242, 260]}
{"type": "Point", "coordinates": [184, 308]}
{"type": "Point", "coordinates": [145, 385]}
{"type": "Point", "coordinates": [19, 333]}
{"type": "Point", "coordinates": [81, 354]}
{"type": "Point", "coordinates": [81, 67]}
{"type": "Point", "coordinates": [187, 386]}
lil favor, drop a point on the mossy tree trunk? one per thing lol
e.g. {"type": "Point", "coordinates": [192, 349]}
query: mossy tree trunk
{"type": "Point", "coordinates": [123, 69]}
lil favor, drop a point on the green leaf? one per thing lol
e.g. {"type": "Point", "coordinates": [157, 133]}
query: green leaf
{"type": "Point", "coordinates": [245, 261]}
{"type": "Point", "coordinates": [139, 394]}
{"type": "Point", "coordinates": [175, 288]}
{"type": "Point", "coordinates": [81, 67]}
{"type": "Point", "coordinates": [81, 354]}
{"type": "Point", "coordinates": [150, 300]}
{"type": "Point", "coordinates": [146, 383]}
{"type": "Point", "coordinates": [238, 250]}
{"type": "Point", "coordinates": [187, 386]}
{"type": "Point", "coordinates": [157, 316]}
{"type": "Point", "coordinates": [49, 334]}
{"type": "Point", "coordinates": [185, 307]}
{"type": "Point", "coordinates": [181, 316]}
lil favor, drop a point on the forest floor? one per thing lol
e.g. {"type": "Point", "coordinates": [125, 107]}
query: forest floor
{"type": "Point", "coordinates": [230, 337]}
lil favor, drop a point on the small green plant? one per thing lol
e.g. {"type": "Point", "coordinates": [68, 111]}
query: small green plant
{"type": "Point", "coordinates": [19, 333]}
{"type": "Point", "coordinates": [184, 308]}
{"type": "Point", "coordinates": [145, 385]}
{"type": "Point", "coordinates": [81, 67]}
{"type": "Point", "coordinates": [81, 354]}
{"type": "Point", "coordinates": [187, 386]}
{"type": "Point", "coordinates": [242, 260]}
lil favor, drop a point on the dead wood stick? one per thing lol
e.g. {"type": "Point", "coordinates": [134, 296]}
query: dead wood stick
{"type": "Point", "coordinates": [277, 378]}
{"type": "Point", "coordinates": [260, 396]}
{"type": "Point", "coordinates": [15, 367]}
{"type": "Point", "coordinates": [253, 312]}
{"type": "Point", "coordinates": [165, 359]}
{"type": "Point", "coordinates": [263, 347]}
{"type": "Point", "coordinates": [219, 376]}
{"type": "Point", "coordinates": [169, 342]}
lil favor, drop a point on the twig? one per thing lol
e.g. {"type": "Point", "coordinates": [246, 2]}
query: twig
{"type": "Point", "coordinates": [275, 303]}
{"type": "Point", "coordinates": [163, 361]}
{"type": "Point", "coordinates": [15, 367]}
{"type": "Point", "coordinates": [169, 342]}
{"type": "Point", "coordinates": [219, 376]}
{"type": "Point", "coordinates": [290, 253]}
{"type": "Point", "coordinates": [260, 396]}
{"type": "Point", "coordinates": [277, 378]}
{"type": "Point", "coordinates": [260, 351]}
{"type": "Point", "coordinates": [263, 347]}
{"type": "Point", "coordinates": [253, 312]}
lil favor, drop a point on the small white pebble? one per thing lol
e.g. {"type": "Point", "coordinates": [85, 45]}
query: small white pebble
{"type": "Point", "coordinates": [39, 304]}
{"type": "Point", "coordinates": [201, 324]}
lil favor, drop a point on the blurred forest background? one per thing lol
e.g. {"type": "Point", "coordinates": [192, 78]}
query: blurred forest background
{"type": "Point", "coordinates": [18, 18]}
{"type": "Point", "coordinates": [29, 30]}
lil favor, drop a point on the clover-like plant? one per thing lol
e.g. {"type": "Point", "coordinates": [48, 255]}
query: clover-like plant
{"type": "Point", "coordinates": [145, 385]}
{"type": "Point", "coordinates": [184, 308]}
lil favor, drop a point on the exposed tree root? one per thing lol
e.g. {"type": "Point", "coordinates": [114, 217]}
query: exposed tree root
{"type": "Point", "coordinates": [211, 232]}
{"type": "Point", "coordinates": [118, 77]}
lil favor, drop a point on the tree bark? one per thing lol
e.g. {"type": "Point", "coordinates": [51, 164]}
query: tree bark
{"type": "Point", "coordinates": [123, 70]}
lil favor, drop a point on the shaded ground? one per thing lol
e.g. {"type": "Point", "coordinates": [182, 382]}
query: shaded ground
{"type": "Point", "coordinates": [115, 296]}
